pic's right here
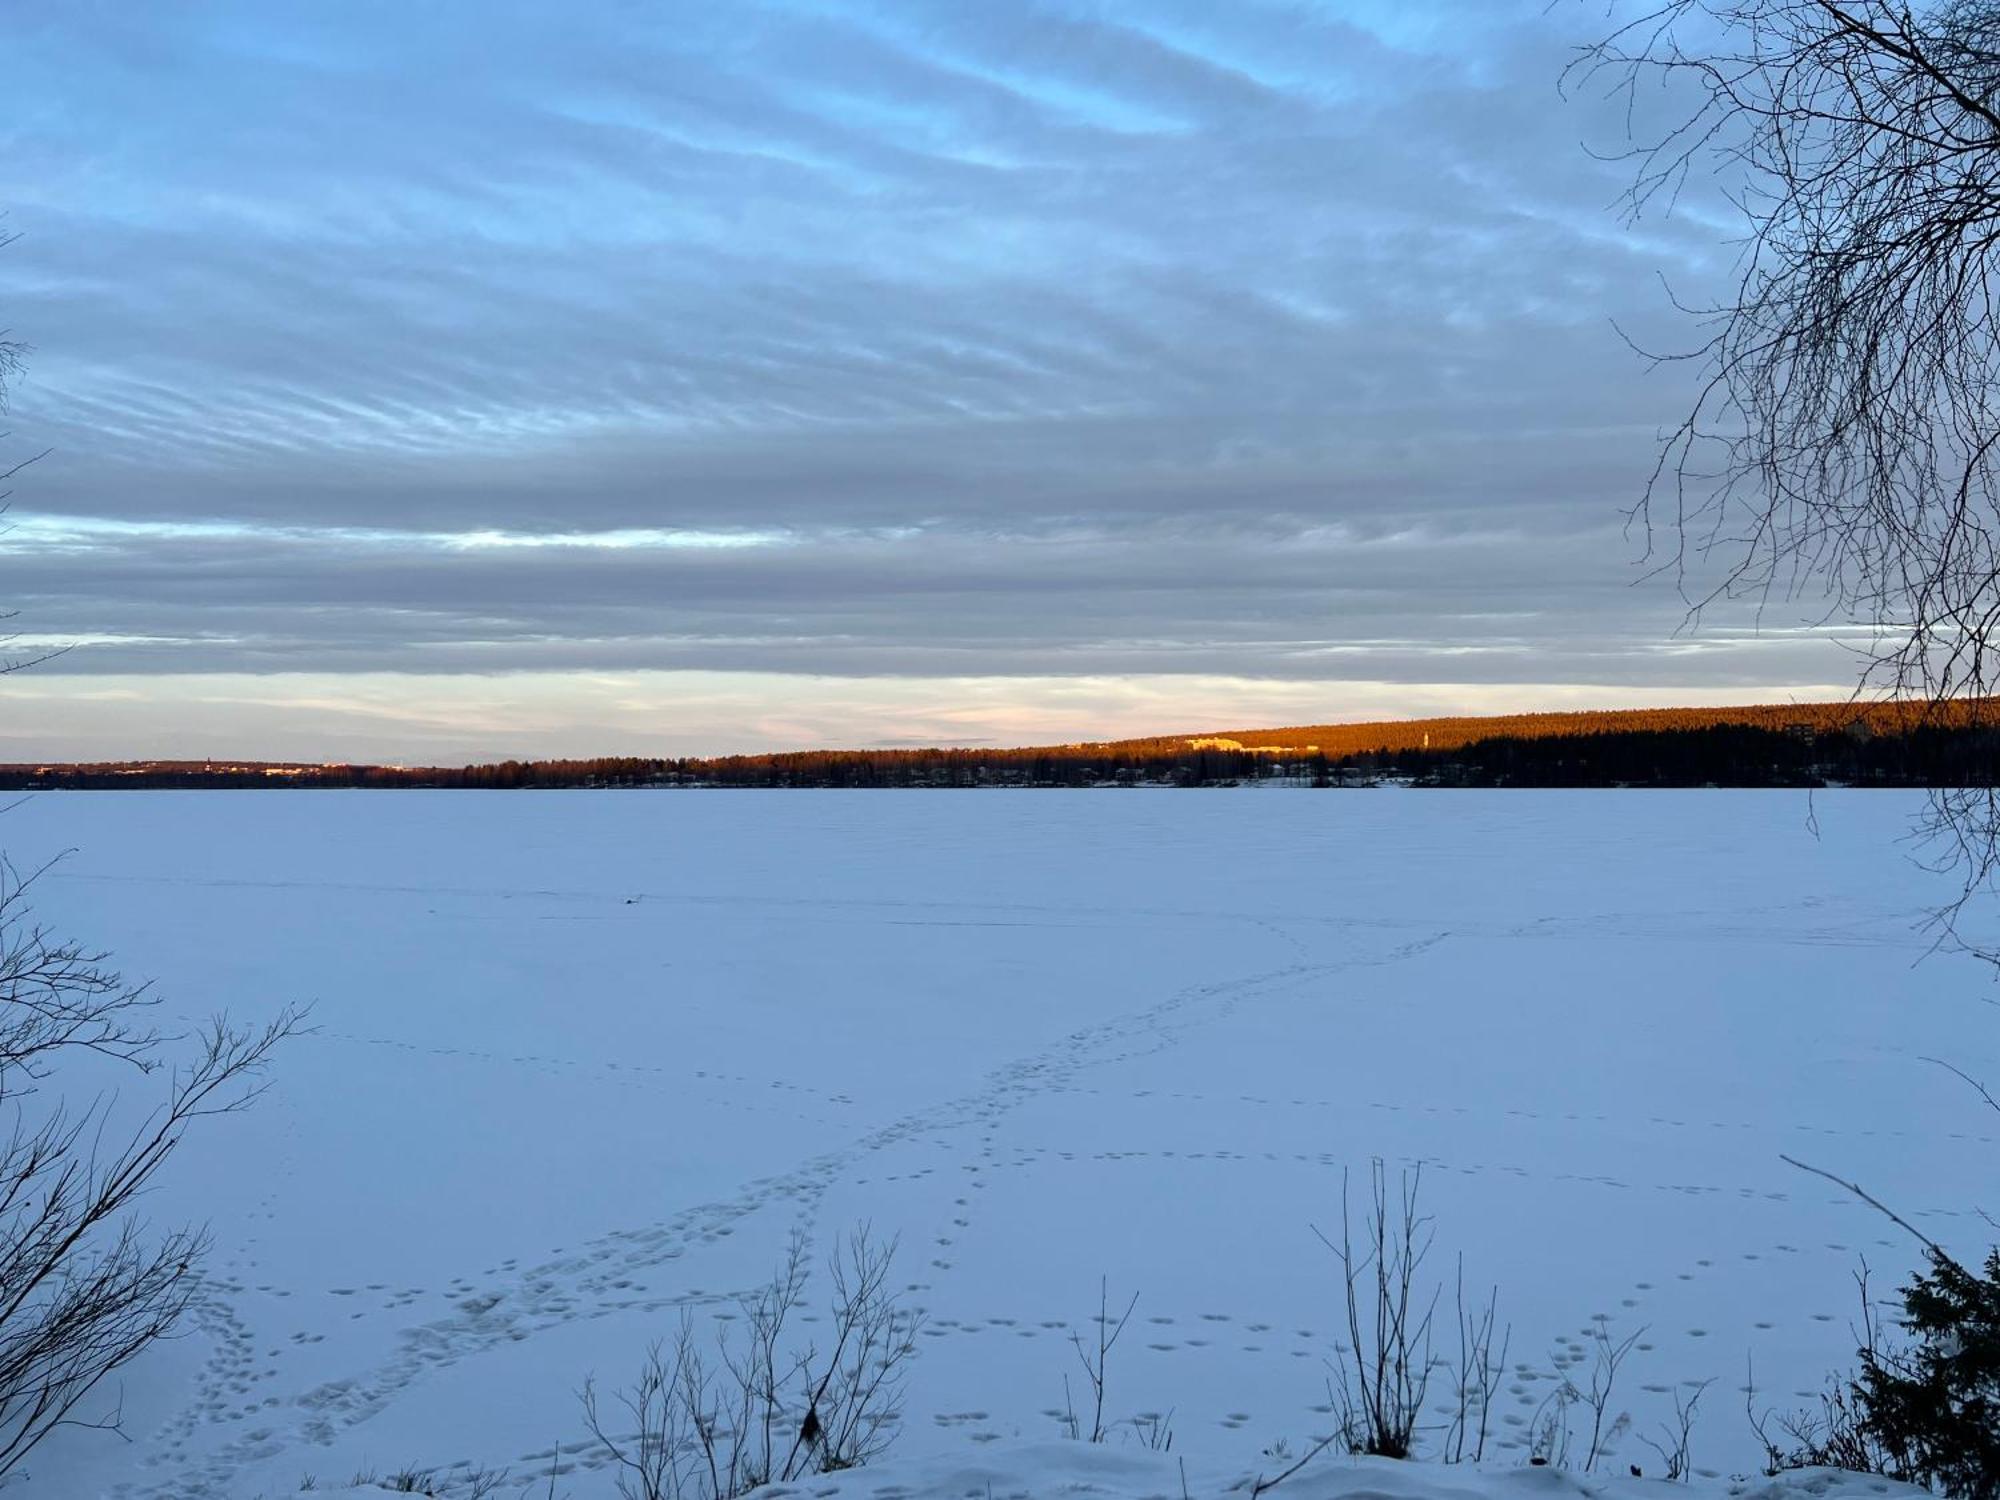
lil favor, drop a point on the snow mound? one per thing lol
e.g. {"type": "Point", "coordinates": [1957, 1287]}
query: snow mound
{"type": "Point", "coordinates": [1043, 1471]}
{"type": "Point", "coordinates": [1080, 1471]}
{"type": "Point", "coordinates": [1040, 1471]}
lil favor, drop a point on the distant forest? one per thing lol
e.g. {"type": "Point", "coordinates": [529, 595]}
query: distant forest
{"type": "Point", "coordinates": [1816, 744]}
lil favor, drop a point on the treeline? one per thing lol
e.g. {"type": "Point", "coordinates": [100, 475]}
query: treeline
{"type": "Point", "coordinates": [1339, 741]}
{"type": "Point", "coordinates": [1737, 755]}
{"type": "Point", "coordinates": [1732, 755]}
{"type": "Point", "coordinates": [1786, 745]}
{"type": "Point", "coordinates": [113, 775]}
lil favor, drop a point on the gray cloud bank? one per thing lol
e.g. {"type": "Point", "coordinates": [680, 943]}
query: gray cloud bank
{"type": "Point", "coordinates": [1257, 341]}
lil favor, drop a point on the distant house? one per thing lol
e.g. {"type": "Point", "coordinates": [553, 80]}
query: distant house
{"type": "Point", "coordinates": [1214, 742]}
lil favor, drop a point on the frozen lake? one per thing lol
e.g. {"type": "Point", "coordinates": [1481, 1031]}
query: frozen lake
{"type": "Point", "coordinates": [583, 1059]}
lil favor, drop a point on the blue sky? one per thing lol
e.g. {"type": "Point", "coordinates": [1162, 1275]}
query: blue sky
{"type": "Point", "coordinates": [459, 380]}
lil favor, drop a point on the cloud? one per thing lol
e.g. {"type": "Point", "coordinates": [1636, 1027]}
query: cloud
{"type": "Point", "coordinates": [898, 340]}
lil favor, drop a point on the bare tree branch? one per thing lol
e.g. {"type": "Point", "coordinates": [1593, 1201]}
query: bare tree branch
{"type": "Point", "coordinates": [1872, 1201]}
{"type": "Point", "coordinates": [1844, 440]}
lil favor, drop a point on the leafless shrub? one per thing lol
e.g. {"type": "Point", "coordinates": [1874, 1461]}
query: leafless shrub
{"type": "Point", "coordinates": [1607, 1355]}
{"type": "Point", "coordinates": [1381, 1376]}
{"type": "Point", "coordinates": [1152, 1430]}
{"type": "Point", "coordinates": [83, 1288]}
{"type": "Point", "coordinates": [1827, 1435]}
{"type": "Point", "coordinates": [1094, 1355]}
{"type": "Point", "coordinates": [713, 1422]}
{"type": "Point", "coordinates": [1830, 1433]}
{"type": "Point", "coordinates": [1676, 1437]}
{"type": "Point", "coordinates": [1380, 1388]}
{"type": "Point", "coordinates": [1549, 1434]}
{"type": "Point", "coordinates": [1474, 1376]}
{"type": "Point", "coordinates": [1155, 1431]}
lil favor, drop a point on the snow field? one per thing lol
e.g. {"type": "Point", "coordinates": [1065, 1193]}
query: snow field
{"type": "Point", "coordinates": [584, 1060]}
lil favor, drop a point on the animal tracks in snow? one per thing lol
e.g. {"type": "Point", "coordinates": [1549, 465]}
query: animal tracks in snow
{"type": "Point", "coordinates": [1040, 1040]}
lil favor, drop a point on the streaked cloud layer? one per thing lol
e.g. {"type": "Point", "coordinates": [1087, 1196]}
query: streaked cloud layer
{"type": "Point", "coordinates": [594, 377]}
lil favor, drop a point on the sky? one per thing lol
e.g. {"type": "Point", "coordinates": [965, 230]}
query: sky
{"type": "Point", "coordinates": [451, 381]}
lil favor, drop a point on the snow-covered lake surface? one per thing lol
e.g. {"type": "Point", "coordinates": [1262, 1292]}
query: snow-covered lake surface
{"type": "Point", "coordinates": [584, 1059]}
